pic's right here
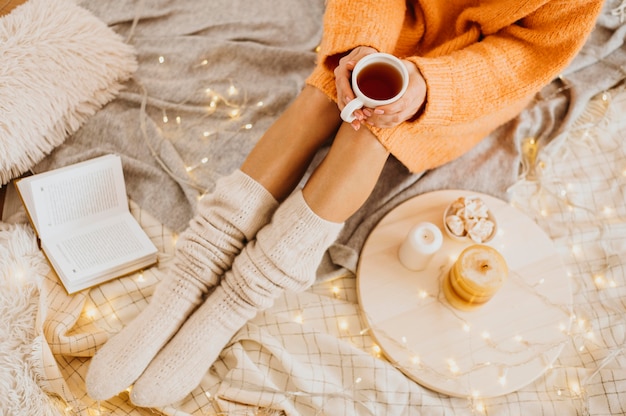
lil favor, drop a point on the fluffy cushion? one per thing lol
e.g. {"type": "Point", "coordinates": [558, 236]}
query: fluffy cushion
{"type": "Point", "coordinates": [60, 64]}
{"type": "Point", "coordinates": [22, 267]}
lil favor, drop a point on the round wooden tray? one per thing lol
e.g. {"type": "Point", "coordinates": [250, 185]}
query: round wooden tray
{"type": "Point", "coordinates": [494, 350]}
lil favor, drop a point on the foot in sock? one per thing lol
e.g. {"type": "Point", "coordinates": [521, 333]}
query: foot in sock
{"type": "Point", "coordinates": [226, 219]}
{"type": "Point", "coordinates": [284, 256]}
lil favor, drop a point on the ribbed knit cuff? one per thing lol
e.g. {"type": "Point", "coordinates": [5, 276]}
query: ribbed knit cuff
{"type": "Point", "coordinates": [249, 204]}
{"type": "Point", "coordinates": [295, 226]}
{"type": "Point", "coordinates": [297, 238]}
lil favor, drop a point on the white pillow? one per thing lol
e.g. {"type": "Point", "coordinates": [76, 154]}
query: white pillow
{"type": "Point", "coordinates": [59, 64]}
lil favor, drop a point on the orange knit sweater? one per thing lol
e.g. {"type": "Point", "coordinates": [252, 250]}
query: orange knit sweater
{"type": "Point", "coordinates": [482, 61]}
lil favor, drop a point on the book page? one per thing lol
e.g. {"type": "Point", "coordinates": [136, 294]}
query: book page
{"type": "Point", "coordinates": [78, 195]}
{"type": "Point", "coordinates": [106, 246]}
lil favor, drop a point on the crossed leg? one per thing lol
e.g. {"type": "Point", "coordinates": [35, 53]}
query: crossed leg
{"type": "Point", "coordinates": [346, 176]}
{"type": "Point", "coordinates": [283, 256]}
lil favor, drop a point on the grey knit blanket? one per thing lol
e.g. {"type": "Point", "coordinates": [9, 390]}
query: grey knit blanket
{"type": "Point", "coordinates": [214, 74]}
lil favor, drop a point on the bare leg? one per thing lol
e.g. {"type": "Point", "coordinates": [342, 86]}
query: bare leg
{"type": "Point", "coordinates": [347, 176]}
{"type": "Point", "coordinates": [280, 158]}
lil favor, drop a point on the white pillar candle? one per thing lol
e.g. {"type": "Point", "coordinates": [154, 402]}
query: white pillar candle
{"type": "Point", "coordinates": [420, 245]}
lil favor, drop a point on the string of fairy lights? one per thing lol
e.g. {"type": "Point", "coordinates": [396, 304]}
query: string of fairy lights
{"type": "Point", "coordinates": [231, 104]}
{"type": "Point", "coordinates": [553, 201]}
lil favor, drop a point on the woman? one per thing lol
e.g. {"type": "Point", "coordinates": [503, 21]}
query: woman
{"type": "Point", "coordinates": [473, 66]}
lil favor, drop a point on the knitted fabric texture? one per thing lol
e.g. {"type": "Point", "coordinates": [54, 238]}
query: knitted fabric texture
{"type": "Point", "coordinates": [60, 64]}
{"type": "Point", "coordinates": [226, 219]}
{"type": "Point", "coordinates": [284, 257]}
{"type": "Point", "coordinates": [482, 64]}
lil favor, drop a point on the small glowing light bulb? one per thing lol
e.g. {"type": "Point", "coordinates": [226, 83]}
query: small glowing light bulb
{"type": "Point", "coordinates": [600, 281]}
{"type": "Point", "coordinates": [454, 368]}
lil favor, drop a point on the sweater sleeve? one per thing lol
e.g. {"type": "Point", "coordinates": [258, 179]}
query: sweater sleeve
{"type": "Point", "coordinates": [352, 23]}
{"type": "Point", "coordinates": [507, 65]}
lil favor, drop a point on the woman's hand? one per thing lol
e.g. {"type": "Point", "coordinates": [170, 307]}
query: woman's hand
{"type": "Point", "coordinates": [343, 79]}
{"type": "Point", "coordinates": [405, 108]}
{"type": "Point", "coordinates": [386, 116]}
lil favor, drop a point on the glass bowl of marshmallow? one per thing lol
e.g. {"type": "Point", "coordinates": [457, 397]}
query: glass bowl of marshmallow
{"type": "Point", "coordinates": [469, 219]}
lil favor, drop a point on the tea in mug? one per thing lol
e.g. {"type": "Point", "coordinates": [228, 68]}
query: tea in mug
{"type": "Point", "coordinates": [380, 81]}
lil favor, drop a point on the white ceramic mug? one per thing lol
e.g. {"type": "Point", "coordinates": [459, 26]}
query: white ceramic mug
{"type": "Point", "coordinates": [377, 79]}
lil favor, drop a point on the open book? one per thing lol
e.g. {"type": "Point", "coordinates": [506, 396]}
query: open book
{"type": "Point", "coordinates": [81, 216]}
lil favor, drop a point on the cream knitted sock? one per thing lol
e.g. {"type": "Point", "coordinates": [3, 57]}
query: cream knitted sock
{"type": "Point", "coordinates": [225, 219]}
{"type": "Point", "coordinates": [284, 256]}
